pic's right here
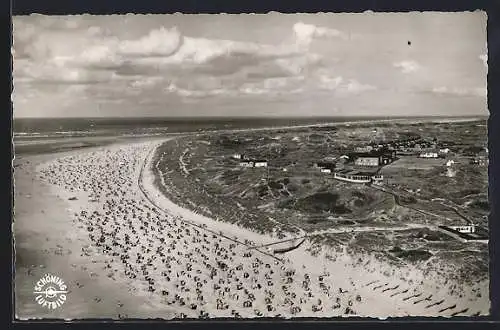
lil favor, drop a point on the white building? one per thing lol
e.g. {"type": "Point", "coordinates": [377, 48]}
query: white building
{"type": "Point", "coordinates": [238, 156]}
{"type": "Point", "coordinates": [429, 155]}
{"type": "Point", "coordinates": [480, 160]}
{"type": "Point", "coordinates": [367, 161]}
{"type": "Point", "coordinates": [378, 179]}
{"type": "Point", "coordinates": [260, 163]}
{"type": "Point", "coordinates": [253, 163]}
{"type": "Point", "coordinates": [444, 151]}
{"type": "Point", "coordinates": [247, 163]}
{"type": "Point", "coordinates": [326, 170]}
{"type": "Point", "coordinates": [464, 229]}
{"type": "Point", "coordinates": [450, 163]}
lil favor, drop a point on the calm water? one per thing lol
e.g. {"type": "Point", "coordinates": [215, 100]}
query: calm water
{"type": "Point", "coordinates": [65, 127]}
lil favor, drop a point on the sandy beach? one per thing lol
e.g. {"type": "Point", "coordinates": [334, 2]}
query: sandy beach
{"type": "Point", "coordinates": [48, 239]}
{"type": "Point", "coordinates": [95, 218]}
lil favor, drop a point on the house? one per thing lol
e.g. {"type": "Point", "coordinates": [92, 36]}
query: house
{"type": "Point", "coordinates": [253, 163]}
{"type": "Point", "coordinates": [325, 167]}
{"type": "Point", "coordinates": [464, 229]}
{"type": "Point", "coordinates": [374, 158]}
{"type": "Point", "coordinates": [388, 156]}
{"type": "Point", "coordinates": [450, 163]}
{"type": "Point", "coordinates": [377, 179]}
{"type": "Point", "coordinates": [246, 163]}
{"type": "Point", "coordinates": [479, 160]}
{"type": "Point", "coordinates": [238, 156]}
{"type": "Point", "coordinates": [260, 163]}
{"type": "Point", "coordinates": [367, 160]}
{"type": "Point", "coordinates": [444, 151]}
{"type": "Point", "coordinates": [481, 157]}
{"type": "Point", "coordinates": [428, 155]}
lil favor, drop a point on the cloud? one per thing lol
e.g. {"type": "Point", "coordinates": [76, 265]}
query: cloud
{"type": "Point", "coordinates": [161, 49]}
{"type": "Point", "coordinates": [159, 42]}
{"type": "Point", "coordinates": [356, 87]}
{"type": "Point", "coordinates": [407, 66]}
{"type": "Point", "coordinates": [183, 92]}
{"type": "Point", "coordinates": [274, 86]}
{"type": "Point", "coordinates": [478, 91]}
{"type": "Point", "coordinates": [330, 83]}
{"type": "Point", "coordinates": [266, 87]}
{"type": "Point", "coordinates": [144, 82]}
{"type": "Point", "coordinates": [57, 72]}
{"type": "Point", "coordinates": [298, 64]}
{"type": "Point", "coordinates": [338, 83]}
{"type": "Point", "coordinates": [164, 61]}
{"type": "Point", "coordinates": [305, 33]}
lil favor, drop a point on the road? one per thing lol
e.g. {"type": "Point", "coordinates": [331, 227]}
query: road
{"type": "Point", "coordinates": [349, 230]}
{"type": "Point", "coordinates": [397, 198]}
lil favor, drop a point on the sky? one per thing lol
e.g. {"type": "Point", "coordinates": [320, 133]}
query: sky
{"type": "Point", "coordinates": [367, 64]}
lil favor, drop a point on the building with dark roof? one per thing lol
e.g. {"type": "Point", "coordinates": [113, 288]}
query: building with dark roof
{"type": "Point", "coordinates": [374, 158]}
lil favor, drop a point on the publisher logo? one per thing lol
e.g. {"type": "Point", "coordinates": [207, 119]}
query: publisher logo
{"type": "Point", "coordinates": [50, 291]}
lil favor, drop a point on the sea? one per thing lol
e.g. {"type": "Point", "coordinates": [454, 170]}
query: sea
{"type": "Point", "coordinates": [29, 128]}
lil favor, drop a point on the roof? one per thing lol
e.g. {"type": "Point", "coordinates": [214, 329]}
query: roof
{"type": "Point", "coordinates": [359, 169]}
{"type": "Point", "coordinates": [325, 164]}
{"type": "Point", "coordinates": [253, 160]}
{"type": "Point", "coordinates": [365, 173]}
{"type": "Point", "coordinates": [359, 172]}
{"type": "Point", "coordinates": [374, 153]}
{"type": "Point", "coordinates": [366, 154]}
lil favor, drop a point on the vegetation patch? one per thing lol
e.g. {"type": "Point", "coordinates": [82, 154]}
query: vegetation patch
{"type": "Point", "coordinates": [411, 255]}
{"type": "Point", "coordinates": [321, 202]}
{"type": "Point", "coordinates": [482, 205]}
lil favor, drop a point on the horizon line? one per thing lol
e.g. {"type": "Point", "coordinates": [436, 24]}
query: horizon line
{"type": "Point", "coordinates": [259, 117]}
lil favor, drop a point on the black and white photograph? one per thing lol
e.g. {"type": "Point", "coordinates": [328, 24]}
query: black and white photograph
{"type": "Point", "coordinates": [245, 166]}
